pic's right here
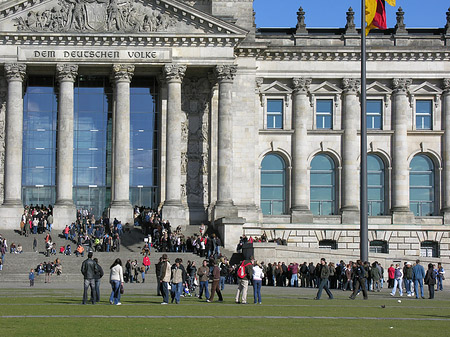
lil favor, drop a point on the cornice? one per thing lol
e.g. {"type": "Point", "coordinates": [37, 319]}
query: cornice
{"type": "Point", "coordinates": [138, 40]}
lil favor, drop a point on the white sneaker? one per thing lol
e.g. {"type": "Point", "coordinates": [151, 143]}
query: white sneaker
{"type": "Point", "coordinates": [392, 294]}
{"type": "Point", "coordinates": [401, 295]}
{"type": "Point", "coordinates": [119, 303]}
{"type": "Point", "coordinates": [409, 295]}
{"type": "Point", "coordinates": [164, 303]}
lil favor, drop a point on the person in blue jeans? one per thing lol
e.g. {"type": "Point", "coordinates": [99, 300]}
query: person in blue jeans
{"type": "Point", "coordinates": [440, 276]}
{"type": "Point", "coordinates": [257, 282]}
{"type": "Point", "coordinates": [323, 280]}
{"type": "Point", "coordinates": [116, 280]}
{"type": "Point", "coordinates": [418, 276]}
{"type": "Point", "coordinates": [203, 274]}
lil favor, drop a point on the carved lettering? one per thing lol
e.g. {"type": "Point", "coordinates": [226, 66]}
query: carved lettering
{"type": "Point", "coordinates": [44, 53]}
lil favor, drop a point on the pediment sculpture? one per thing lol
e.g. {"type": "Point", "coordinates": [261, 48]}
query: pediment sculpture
{"type": "Point", "coordinates": [123, 16]}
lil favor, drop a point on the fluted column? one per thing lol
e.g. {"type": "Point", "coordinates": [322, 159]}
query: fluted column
{"type": "Point", "coordinates": [173, 209]}
{"type": "Point", "coordinates": [446, 150]}
{"type": "Point", "coordinates": [120, 204]}
{"type": "Point", "coordinates": [350, 150]}
{"type": "Point", "coordinates": [224, 206]}
{"type": "Point", "coordinates": [66, 75]}
{"type": "Point", "coordinates": [15, 75]}
{"type": "Point", "coordinates": [400, 177]}
{"type": "Point", "coordinates": [300, 211]}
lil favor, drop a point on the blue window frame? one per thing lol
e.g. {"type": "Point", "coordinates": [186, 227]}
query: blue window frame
{"type": "Point", "coordinates": [421, 186]}
{"type": "Point", "coordinates": [274, 113]}
{"type": "Point", "coordinates": [324, 114]}
{"type": "Point", "coordinates": [273, 185]}
{"type": "Point", "coordinates": [375, 185]}
{"type": "Point", "coordinates": [39, 141]}
{"type": "Point", "coordinates": [322, 185]}
{"type": "Point", "coordinates": [424, 114]}
{"type": "Point", "coordinates": [374, 114]}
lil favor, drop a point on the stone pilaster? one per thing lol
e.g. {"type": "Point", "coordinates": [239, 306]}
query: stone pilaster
{"type": "Point", "coordinates": [224, 205]}
{"type": "Point", "coordinates": [446, 150]}
{"type": "Point", "coordinates": [120, 204]}
{"type": "Point", "coordinates": [300, 212]}
{"type": "Point", "coordinates": [350, 151]}
{"type": "Point", "coordinates": [173, 210]}
{"type": "Point", "coordinates": [400, 176]}
{"type": "Point", "coordinates": [64, 211]}
{"type": "Point", "coordinates": [12, 204]}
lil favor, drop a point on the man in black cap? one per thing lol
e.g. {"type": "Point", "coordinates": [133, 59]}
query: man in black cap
{"type": "Point", "coordinates": [324, 275]}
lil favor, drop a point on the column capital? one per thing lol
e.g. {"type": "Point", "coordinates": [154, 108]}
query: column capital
{"type": "Point", "coordinates": [301, 84]}
{"type": "Point", "coordinates": [351, 85]}
{"type": "Point", "coordinates": [15, 71]}
{"type": "Point", "coordinates": [401, 85]}
{"type": "Point", "coordinates": [225, 72]}
{"type": "Point", "coordinates": [446, 85]}
{"type": "Point", "coordinates": [122, 72]}
{"type": "Point", "coordinates": [66, 72]}
{"type": "Point", "coordinates": [174, 72]}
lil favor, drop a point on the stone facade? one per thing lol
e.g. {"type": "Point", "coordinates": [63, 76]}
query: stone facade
{"type": "Point", "coordinates": [216, 75]}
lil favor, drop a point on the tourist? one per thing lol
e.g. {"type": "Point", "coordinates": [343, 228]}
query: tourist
{"type": "Point", "coordinates": [398, 277]}
{"type": "Point", "coordinates": [164, 279]}
{"type": "Point", "coordinates": [244, 277]}
{"type": "Point", "coordinates": [430, 280]}
{"type": "Point", "coordinates": [97, 276]}
{"type": "Point", "coordinates": [257, 282]}
{"type": "Point", "coordinates": [323, 284]}
{"type": "Point", "coordinates": [359, 280]}
{"type": "Point", "coordinates": [215, 286]}
{"type": "Point", "coordinates": [89, 269]}
{"type": "Point", "coordinates": [203, 273]}
{"type": "Point", "coordinates": [31, 277]}
{"type": "Point", "coordinates": [116, 280]}
{"type": "Point", "coordinates": [418, 276]}
{"type": "Point", "coordinates": [440, 276]}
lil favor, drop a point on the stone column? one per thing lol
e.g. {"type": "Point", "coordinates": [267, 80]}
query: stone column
{"type": "Point", "coordinates": [120, 204]}
{"type": "Point", "coordinates": [400, 176]}
{"type": "Point", "coordinates": [64, 211]}
{"type": "Point", "coordinates": [173, 209]}
{"type": "Point", "coordinates": [446, 150]}
{"type": "Point", "coordinates": [350, 150]}
{"type": "Point", "coordinates": [300, 212]}
{"type": "Point", "coordinates": [224, 205]}
{"type": "Point", "coordinates": [12, 207]}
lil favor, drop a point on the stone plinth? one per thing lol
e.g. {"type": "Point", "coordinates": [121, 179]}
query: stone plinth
{"type": "Point", "coordinates": [10, 216]}
{"type": "Point", "coordinates": [230, 230]}
{"type": "Point", "coordinates": [63, 215]}
{"type": "Point", "coordinates": [123, 213]}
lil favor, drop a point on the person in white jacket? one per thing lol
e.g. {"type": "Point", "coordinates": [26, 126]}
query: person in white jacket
{"type": "Point", "coordinates": [116, 280]}
{"type": "Point", "coordinates": [257, 282]}
{"type": "Point", "coordinates": [398, 278]}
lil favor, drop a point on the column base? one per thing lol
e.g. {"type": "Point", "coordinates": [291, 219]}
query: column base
{"type": "Point", "coordinates": [122, 211]}
{"type": "Point", "coordinates": [225, 209]}
{"type": "Point", "coordinates": [10, 216]}
{"type": "Point", "coordinates": [446, 215]}
{"type": "Point", "coordinates": [64, 213]}
{"type": "Point", "coordinates": [350, 215]}
{"type": "Point", "coordinates": [175, 212]}
{"type": "Point", "coordinates": [403, 215]}
{"type": "Point", "coordinates": [301, 214]}
{"type": "Point", "coordinates": [230, 231]}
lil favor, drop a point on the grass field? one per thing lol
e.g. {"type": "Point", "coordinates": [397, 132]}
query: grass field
{"type": "Point", "coordinates": [58, 312]}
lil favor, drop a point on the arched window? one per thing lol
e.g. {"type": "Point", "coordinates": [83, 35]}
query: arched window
{"type": "Point", "coordinates": [322, 189]}
{"type": "Point", "coordinates": [273, 185]}
{"type": "Point", "coordinates": [375, 185]}
{"type": "Point", "coordinates": [421, 186]}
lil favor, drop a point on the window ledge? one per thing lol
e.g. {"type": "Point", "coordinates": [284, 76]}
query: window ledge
{"type": "Point", "coordinates": [426, 132]}
{"type": "Point", "coordinates": [325, 131]}
{"type": "Point", "coordinates": [276, 132]}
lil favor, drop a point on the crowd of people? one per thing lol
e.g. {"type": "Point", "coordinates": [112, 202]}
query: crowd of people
{"type": "Point", "coordinates": [48, 268]}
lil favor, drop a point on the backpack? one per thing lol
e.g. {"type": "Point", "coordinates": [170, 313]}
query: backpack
{"type": "Point", "coordinates": [398, 273]}
{"type": "Point", "coordinates": [241, 270]}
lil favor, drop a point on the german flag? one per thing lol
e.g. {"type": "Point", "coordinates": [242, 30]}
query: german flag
{"type": "Point", "coordinates": [376, 14]}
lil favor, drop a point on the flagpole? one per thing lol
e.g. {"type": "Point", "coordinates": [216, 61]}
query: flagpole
{"type": "Point", "coordinates": [364, 235]}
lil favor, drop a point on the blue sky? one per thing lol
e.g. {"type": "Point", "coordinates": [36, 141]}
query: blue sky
{"type": "Point", "coordinates": [332, 13]}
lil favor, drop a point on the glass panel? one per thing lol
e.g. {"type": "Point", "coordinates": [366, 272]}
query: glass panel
{"type": "Point", "coordinates": [324, 105]}
{"type": "Point", "coordinates": [420, 179]}
{"type": "Point", "coordinates": [421, 163]}
{"type": "Point", "coordinates": [277, 207]}
{"type": "Point", "coordinates": [272, 179]}
{"type": "Point", "coordinates": [321, 193]}
{"type": "Point", "coordinates": [375, 179]}
{"type": "Point", "coordinates": [322, 162]}
{"type": "Point", "coordinates": [272, 162]}
{"type": "Point", "coordinates": [375, 193]}
{"type": "Point", "coordinates": [275, 105]}
{"type": "Point", "coordinates": [265, 207]}
{"type": "Point", "coordinates": [424, 106]}
{"type": "Point", "coordinates": [272, 193]}
{"type": "Point", "coordinates": [273, 184]}
{"type": "Point", "coordinates": [321, 178]}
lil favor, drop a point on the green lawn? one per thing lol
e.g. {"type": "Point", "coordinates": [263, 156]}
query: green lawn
{"type": "Point", "coordinates": [25, 312]}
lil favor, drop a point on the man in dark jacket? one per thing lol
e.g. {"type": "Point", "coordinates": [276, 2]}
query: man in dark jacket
{"type": "Point", "coordinates": [323, 280]}
{"type": "Point", "coordinates": [98, 275]}
{"type": "Point", "coordinates": [158, 273]}
{"type": "Point", "coordinates": [418, 276]}
{"type": "Point", "coordinates": [215, 287]}
{"type": "Point", "coordinates": [89, 268]}
{"type": "Point", "coordinates": [359, 280]}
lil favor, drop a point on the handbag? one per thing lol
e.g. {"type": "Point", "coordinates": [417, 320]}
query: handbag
{"type": "Point", "coordinates": [121, 288]}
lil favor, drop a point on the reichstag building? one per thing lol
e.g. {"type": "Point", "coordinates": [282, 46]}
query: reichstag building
{"type": "Point", "coordinates": [186, 106]}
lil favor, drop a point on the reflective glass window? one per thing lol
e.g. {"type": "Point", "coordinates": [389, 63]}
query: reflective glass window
{"type": "Point", "coordinates": [324, 114]}
{"type": "Point", "coordinates": [375, 185]}
{"type": "Point", "coordinates": [273, 185]}
{"type": "Point", "coordinates": [322, 185]}
{"type": "Point", "coordinates": [424, 112]}
{"type": "Point", "coordinates": [421, 186]}
{"type": "Point", "coordinates": [39, 141]}
{"type": "Point", "coordinates": [374, 113]}
{"type": "Point", "coordinates": [274, 113]}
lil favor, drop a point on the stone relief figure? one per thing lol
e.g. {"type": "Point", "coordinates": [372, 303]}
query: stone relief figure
{"type": "Point", "coordinates": [98, 16]}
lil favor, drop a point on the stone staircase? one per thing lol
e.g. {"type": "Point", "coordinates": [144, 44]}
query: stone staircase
{"type": "Point", "coordinates": [17, 266]}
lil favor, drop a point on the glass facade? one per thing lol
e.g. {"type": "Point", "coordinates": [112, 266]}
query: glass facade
{"type": "Point", "coordinates": [144, 121]}
{"type": "Point", "coordinates": [421, 186]}
{"type": "Point", "coordinates": [274, 113]}
{"type": "Point", "coordinates": [273, 185]}
{"type": "Point", "coordinates": [424, 111]}
{"type": "Point", "coordinates": [322, 185]}
{"type": "Point", "coordinates": [92, 143]}
{"type": "Point", "coordinates": [375, 185]}
{"type": "Point", "coordinates": [324, 114]}
{"type": "Point", "coordinates": [39, 141]}
{"type": "Point", "coordinates": [374, 112]}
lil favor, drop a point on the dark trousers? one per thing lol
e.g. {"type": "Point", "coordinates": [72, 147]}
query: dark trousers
{"type": "Point", "coordinates": [165, 291]}
{"type": "Point", "coordinates": [97, 290]}
{"type": "Point", "coordinates": [215, 288]}
{"type": "Point", "coordinates": [158, 288]}
{"type": "Point", "coordinates": [431, 291]}
{"type": "Point", "coordinates": [359, 283]}
{"type": "Point", "coordinates": [324, 285]}
{"type": "Point", "coordinates": [89, 283]}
